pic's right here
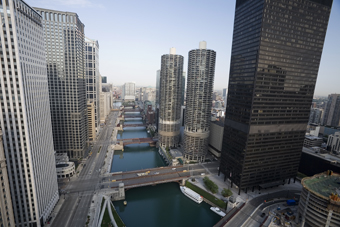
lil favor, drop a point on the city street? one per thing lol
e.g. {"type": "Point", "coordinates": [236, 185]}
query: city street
{"type": "Point", "coordinates": [249, 215]}
{"type": "Point", "coordinates": [80, 190]}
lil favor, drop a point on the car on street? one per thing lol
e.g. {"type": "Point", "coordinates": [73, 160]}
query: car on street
{"type": "Point", "coordinates": [262, 215]}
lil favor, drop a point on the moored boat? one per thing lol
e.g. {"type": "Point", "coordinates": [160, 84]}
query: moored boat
{"type": "Point", "coordinates": [217, 211]}
{"type": "Point", "coordinates": [191, 194]}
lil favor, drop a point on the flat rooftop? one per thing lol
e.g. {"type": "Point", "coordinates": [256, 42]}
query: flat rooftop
{"type": "Point", "coordinates": [322, 184]}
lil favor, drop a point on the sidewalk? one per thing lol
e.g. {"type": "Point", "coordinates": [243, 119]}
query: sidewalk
{"type": "Point", "coordinates": [56, 209]}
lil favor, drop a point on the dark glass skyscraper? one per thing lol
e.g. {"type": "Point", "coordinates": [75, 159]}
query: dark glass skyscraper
{"type": "Point", "coordinates": [275, 59]}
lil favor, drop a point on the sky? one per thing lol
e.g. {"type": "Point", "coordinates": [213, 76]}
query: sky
{"type": "Point", "coordinates": [134, 34]}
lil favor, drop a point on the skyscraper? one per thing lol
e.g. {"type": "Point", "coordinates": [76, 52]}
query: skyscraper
{"type": "Point", "coordinates": [183, 88]}
{"type": "Point", "coordinates": [332, 111]}
{"type": "Point", "coordinates": [170, 99]}
{"type": "Point", "coordinates": [158, 84]}
{"type": "Point", "coordinates": [158, 77]}
{"type": "Point", "coordinates": [93, 76]}
{"type": "Point", "coordinates": [224, 92]}
{"type": "Point", "coordinates": [200, 83]}
{"type": "Point", "coordinates": [6, 210]}
{"type": "Point", "coordinates": [275, 59]}
{"type": "Point", "coordinates": [65, 53]}
{"type": "Point", "coordinates": [25, 115]}
{"type": "Point", "coordinates": [129, 91]}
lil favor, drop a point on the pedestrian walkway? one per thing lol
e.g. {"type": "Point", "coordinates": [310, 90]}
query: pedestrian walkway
{"type": "Point", "coordinates": [56, 209]}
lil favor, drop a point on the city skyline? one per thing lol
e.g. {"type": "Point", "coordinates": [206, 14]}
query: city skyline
{"type": "Point", "coordinates": [138, 31]}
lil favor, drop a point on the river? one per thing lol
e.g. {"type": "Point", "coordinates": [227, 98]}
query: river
{"type": "Point", "coordinates": [154, 206]}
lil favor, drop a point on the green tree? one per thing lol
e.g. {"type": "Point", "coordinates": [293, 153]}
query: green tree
{"type": "Point", "coordinates": [210, 185]}
{"type": "Point", "coordinates": [226, 192]}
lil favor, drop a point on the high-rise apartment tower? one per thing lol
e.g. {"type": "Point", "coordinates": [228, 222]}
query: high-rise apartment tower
{"type": "Point", "coordinates": [275, 59]}
{"type": "Point", "coordinates": [170, 99]}
{"type": "Point", "coordinates": [25, 115]}
{"type": "Point", "coordinates": [93, 76]}
{"type": "Point", "coordinates": [65, 56]}
{"type": "Point", "coordinates": [200, 83]}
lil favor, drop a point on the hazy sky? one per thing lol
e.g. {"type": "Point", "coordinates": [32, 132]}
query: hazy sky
{"type": "Point", "coordinates": [133, 34]}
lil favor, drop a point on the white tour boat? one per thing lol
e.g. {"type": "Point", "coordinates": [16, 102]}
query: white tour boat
{"type": "Point", "coordinates": [217, 211]}
{"type": "Point", "coordinates": [191, 194]}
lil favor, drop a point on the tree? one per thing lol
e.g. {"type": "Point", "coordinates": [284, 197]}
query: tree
{"type": "Point", "coordinates": [210, 185]}
{"type": "Point", "coordinates": [226, 192]}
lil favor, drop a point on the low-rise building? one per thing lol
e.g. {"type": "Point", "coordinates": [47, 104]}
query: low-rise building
{"type": "Point", "coordinates": [312, 141]}
{"type": "Point", "coordinates": [319, 203]}
{"type": "Point", "coordinates": [150, 115]}
{"type": "Point", "coordinates": [65, 169]}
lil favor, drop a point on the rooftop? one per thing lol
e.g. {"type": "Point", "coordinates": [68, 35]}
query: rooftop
{"type": "Point", "coordinates": [323, 184]}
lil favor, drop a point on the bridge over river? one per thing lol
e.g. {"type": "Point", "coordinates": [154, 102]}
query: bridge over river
{"type": "Point", "coordinates": [138, 141]}
{"type": "Point", "coordinates": [153, 176]}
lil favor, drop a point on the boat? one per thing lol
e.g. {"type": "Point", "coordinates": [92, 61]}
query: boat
{"type": "Point", "coordinates": [191, 194]}
{"type": "Point", "coordinates": [217, 211]}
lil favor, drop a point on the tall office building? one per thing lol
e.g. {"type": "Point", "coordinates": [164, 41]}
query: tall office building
{"type": "Point", "coordinates": [224, 92]}
{"type": "Point", "coordinates": [158, 84]}
{"type": "Point", "coordinates": [6, 210]}
{"type": "Point", "coordinates": [170, 99]}
{"type": "Point", "coordinates": [92, 76]}
{"type": "Point", "coordinates": [183, 89]}
{"type": "Point", "coordinates": [275, 59]}
{"type": "Point", "coordinates": [65, 53]}
{"type": "Point", "coordinates": [104, 79]}
{"type": "Point", "coordinates": [200, 83]}
{"type": "Point", "coordinates": [25, 115]}
{"type": "Point", "coordinates": [332, 111]}
{"type": "Point", "coordinates": [129, 91]}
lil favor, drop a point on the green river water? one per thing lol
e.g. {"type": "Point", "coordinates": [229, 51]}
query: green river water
{"type": "Point", "coordinates": [162, 205]}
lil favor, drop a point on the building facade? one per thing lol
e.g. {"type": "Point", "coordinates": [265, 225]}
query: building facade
{"type": "Point", "coordinates": [170, 99]}
{"type": "Point", "coordinates": [216, 137]}
{"type": "Point", "coordinates": [275, 60]}
{"type": "Point", "coordinates": [332, 111]}
{"type": "Point", "coordinates": [183, 88]}
{"type": "Point", "coordinates": [91, 122]}
{"type": "Point", "coordinates": [333, 142]}
{"type": "Point", "coordinates": [129, 91]}
{"type": "Point", "coordinates": [105, 105]}
{"type": "Point", "coordinates": [200, 83]}
{"type": "Point", "coordinates": [65, 53]}
{"type": "Point", "coordinates": [6, 210]}
{"type": "Point", "coordinates": [93, 76]}
{"type": "Point", "coordinates": [315, 116]}
{"type": "Point", "coordinates": [158, 80]}
{"type": "Point", "coordinates": [25, 114]}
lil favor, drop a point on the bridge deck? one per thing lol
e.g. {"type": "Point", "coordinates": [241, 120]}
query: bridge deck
{"type": "Point", "coordinates": [133, 125]}
{"type": "Point", "coordinates": [136, 141]}
{"type": "Point", "coordinates": [132, 116]}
